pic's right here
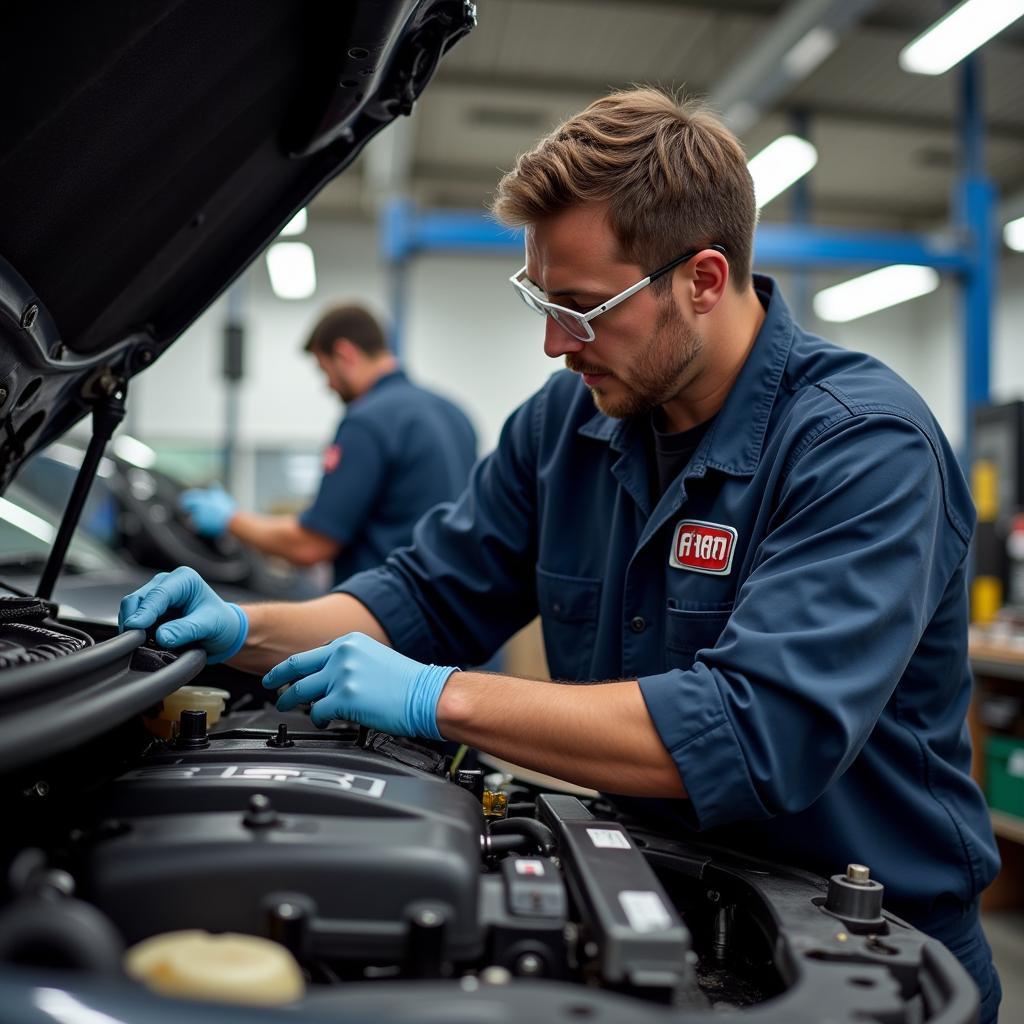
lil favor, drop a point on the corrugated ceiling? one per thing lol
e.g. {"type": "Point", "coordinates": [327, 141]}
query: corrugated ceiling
{"type": "Point", "coordinates": [887, 139]}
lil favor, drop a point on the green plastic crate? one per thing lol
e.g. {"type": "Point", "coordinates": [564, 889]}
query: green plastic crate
{"type": "Point", "coordinates": [1004, 777]}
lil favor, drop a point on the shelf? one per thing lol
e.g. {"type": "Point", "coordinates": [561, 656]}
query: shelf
{"type": "Point", "coordinates": [996, 660]}
{"type": "Point", "coordinates": [1009, 826]}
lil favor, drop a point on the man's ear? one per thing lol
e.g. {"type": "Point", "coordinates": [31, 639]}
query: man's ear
{"type": "Point", "coordinates": [344, 351]}
{"type": "Point", "coordinates": [706, 277]}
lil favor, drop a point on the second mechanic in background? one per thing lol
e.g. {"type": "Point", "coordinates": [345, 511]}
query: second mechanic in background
{"type": "Point", "coordinates": [399, 450]}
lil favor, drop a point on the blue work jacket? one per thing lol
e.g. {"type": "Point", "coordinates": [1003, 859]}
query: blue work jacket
{"type": "Point", "coordinates": [400, 450]}
{"type": "Point", "coordinates": [794, 606]}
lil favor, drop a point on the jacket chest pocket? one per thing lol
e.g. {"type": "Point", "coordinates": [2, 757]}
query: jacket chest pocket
{"type": "Point", "coordinates": [568, 613]}
{"type": "Point", "coordinates": [691, 627]}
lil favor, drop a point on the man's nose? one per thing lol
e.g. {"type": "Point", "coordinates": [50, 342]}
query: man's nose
{"type": "Point", "coordinates": [557, 340]}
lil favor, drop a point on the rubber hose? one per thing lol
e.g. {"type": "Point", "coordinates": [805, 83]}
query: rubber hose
{"type": "Point", "coordinates": [540, 835]}
{"type": "Point", "coordinates": [506, 844]}
{"type": "Point", "coordinates": [521, 809]}
{"type": "Point", "coordinates": [68, 933]}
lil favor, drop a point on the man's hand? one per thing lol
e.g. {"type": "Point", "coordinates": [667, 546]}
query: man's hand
{"type": "Point", "coordinates": [358, 679]}
{"type": "Point", "coordinates": [210, 509]}
{"type": "Point", "coordinates": [220, 627]}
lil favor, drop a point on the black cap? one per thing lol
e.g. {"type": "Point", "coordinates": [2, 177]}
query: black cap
{"type": "Point", "coordinates": [192, 731]}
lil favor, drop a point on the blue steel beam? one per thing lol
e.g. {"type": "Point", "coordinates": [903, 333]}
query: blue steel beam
{"type": "Point", "coordinates": [406, 231]}
{"type": "Point", "coordinates": [787, 245]}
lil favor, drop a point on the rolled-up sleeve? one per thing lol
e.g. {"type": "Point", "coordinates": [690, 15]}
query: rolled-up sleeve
{"type": "Point", "coordinates": [860, 550]}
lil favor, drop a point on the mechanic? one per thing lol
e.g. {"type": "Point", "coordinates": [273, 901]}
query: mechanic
{"type": "Point", "coordinates": [398, 451]}
{"type": "Point", "coordinates": [755, 547]}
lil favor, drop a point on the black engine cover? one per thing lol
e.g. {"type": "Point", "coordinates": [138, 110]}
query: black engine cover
{"type": "Point", "coordinates": [184, 845]}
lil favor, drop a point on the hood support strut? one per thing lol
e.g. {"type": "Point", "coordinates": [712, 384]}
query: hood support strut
{"type": "Point", "coordinates": [107, 413]}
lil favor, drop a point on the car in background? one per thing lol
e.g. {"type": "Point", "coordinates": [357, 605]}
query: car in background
{"type": "Point", "coordinates": [93, 579]}
{"type": "Point", "coordinates": [95, 576]}
{"type": "Point", "coordinates": [132, 509]}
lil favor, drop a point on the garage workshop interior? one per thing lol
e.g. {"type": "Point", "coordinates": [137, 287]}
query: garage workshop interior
{"type": "Point", "coordinates": [512, 511]}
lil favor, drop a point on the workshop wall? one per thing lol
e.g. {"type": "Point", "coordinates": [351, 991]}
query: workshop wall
{"type": "Point", "coordinates": [467, 336]}
{"type": "Point", "coordinates": [1008, 336]}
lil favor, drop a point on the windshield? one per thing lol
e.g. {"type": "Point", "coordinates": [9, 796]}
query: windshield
{"type": "Point", "coordinates": [49, 478]}
{"type": "Point", "coordinates": [27, 530]}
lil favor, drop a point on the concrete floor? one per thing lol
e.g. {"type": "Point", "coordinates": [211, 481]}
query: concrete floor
{"type": "Point", "coordinates": [1005, 931]}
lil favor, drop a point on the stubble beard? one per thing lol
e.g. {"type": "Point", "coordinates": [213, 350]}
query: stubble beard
{"type": "Point", "coordinates": [659, 373]}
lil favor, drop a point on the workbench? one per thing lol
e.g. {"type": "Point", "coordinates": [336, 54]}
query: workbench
{"type": "Point", "coordinates": [998, 666]}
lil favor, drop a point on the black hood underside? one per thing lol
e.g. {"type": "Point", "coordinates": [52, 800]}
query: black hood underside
{"type": "Point", "coordinates": [151, 149]}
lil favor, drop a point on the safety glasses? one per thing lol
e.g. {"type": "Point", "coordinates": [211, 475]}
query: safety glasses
{"type": "Point", "coordinates": [576, 324]}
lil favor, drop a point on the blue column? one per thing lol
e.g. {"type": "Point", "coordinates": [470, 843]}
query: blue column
{"type": "Point", "coordinates": [974, 205]}
{"type": "Point", "coordinates": [395, 231]}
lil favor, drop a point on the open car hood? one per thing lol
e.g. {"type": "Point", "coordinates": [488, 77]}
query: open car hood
{"type": "Point", "coordinates": [152, 150]}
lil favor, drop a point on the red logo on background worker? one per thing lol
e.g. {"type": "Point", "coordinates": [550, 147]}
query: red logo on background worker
{"type": "Point", "coordinates": [332, 458]}
{"type": "Point", "coordinates": [703, 547]}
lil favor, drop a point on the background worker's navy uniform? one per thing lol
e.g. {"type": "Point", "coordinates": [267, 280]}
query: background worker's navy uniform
{"type": "Point", "coordinates": [399, 451]}
{"type": "Point", "coordinates": [809, 678]}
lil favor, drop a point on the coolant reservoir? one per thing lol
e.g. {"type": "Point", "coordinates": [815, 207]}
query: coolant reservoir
{"type": "Point", "coordinates": [188, 698]}
{"type": "Point", "coordinates": [229, 968]}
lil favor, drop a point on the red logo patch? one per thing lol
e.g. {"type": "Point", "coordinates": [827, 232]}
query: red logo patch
{"type": "Point", "coordinates": [703, 547]}
{"type": "Point", "coordinates": [331, 458]}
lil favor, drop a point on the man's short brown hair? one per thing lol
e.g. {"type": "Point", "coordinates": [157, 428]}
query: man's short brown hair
{"type": "Point", "coordinates": [351, 322]}
{"type": "Point", "coordinates": [673, 176]}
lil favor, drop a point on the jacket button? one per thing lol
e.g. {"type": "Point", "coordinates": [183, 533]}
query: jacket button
{"type": "Point", "coordinates": [638, 623]}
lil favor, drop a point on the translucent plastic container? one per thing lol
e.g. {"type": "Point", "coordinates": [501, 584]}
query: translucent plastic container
{"type": "Point", "coordinates": [227, 968]}
{"type": "Point", "coordinates": [188, 698]}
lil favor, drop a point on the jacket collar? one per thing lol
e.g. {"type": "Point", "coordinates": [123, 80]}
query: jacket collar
{"type": "Point", "coordinates": [388, 378]}
{"type": "Point", "coordinates": [734, 442]}
{"type": "Point", "coordinates": [380, 384]}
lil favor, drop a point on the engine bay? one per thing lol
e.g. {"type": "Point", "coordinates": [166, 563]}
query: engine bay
{"type": "Point", "coordinates": [400, 887]}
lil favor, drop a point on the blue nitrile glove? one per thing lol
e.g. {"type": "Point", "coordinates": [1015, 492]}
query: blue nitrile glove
{"type": "Point", "coordinates": [209, 508]}
{"type": "Point", "coordinates": [358, 679]}
{"type": "Point", "coordinates": [220, 627]}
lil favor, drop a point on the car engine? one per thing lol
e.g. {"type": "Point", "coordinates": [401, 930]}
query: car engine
{"type": "Point", "coordinates": [399, 887]}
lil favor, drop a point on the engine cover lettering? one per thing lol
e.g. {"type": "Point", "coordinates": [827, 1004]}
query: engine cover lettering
{"type": "Point", "coordinates": [324, 778]}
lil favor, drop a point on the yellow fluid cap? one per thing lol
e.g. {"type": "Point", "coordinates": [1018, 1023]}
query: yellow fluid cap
{"type": "Point", "coordinates": [228, 968]}
{"type": "Point", "coordinates": [495, 804]}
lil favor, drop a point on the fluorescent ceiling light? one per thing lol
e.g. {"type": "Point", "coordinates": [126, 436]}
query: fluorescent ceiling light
{"type": "Point", "coordinates": [959, 33]}
{"type": "Point", "coordinates": [296, 225]}
{"type": "Point", "coordinates": [292, 270]}
{"type": "Point", "coordinates": [778, 165]}
{"type": "Point", "coordinates": [806, 54]}
{"type": "Point", "coordinates": [872, 292]}
{"type": "Point", "coordinates": [1013, 234]}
